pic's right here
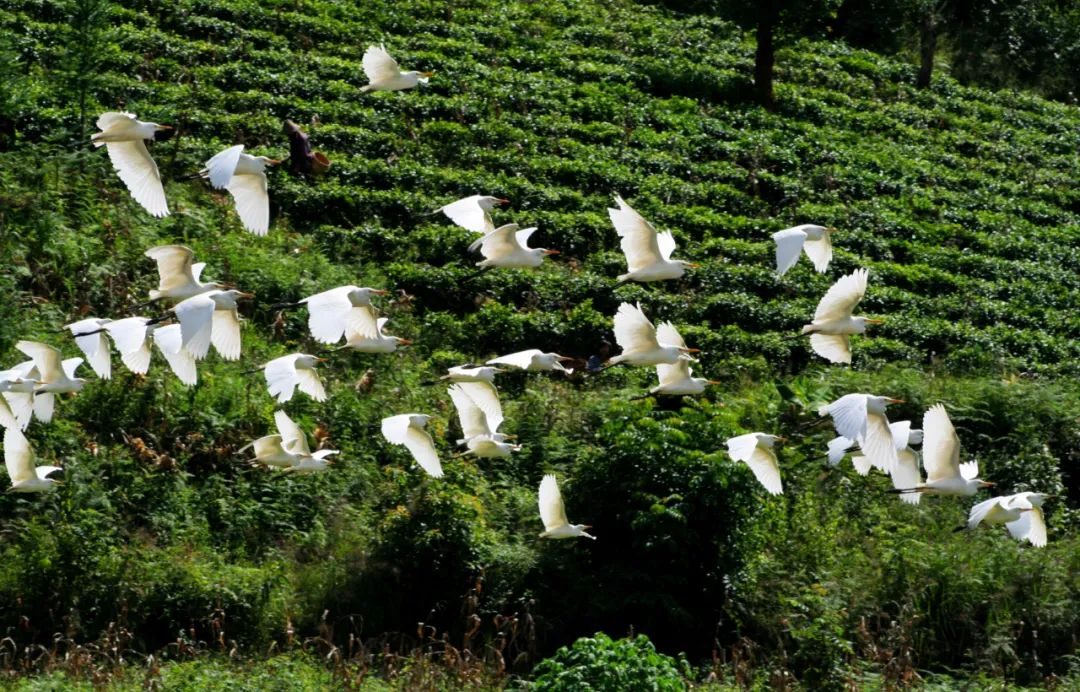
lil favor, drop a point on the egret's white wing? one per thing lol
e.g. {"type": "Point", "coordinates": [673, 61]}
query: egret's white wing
{"type": "Point", "coordinates": [901, 431]}
{"type": "Point", "coordinates": [941, 446]}
{"type": "Point", "coordinates": [861, 463]}
{"type": "Point", "coordinates": [170, 342]}
{"type": "Point", "coordinates": [522, 237]}
{"type": "Point", "coordinates": [220, 168]}
{"type": "Point", "coordinates": [639, 242]}
{"type": "Point", "coordinates": [848, 414]}
{"type": "Point", "coordinates": [129, 337]}
{"type": "Point", "coordinates": [668, 335]}
{"type": "Point", "coordinates": [835, 348]}
{"type": "Point", "coordinates": [46, 359]}
{"type": "Point", "coordinates": [969, 470]}
{"type": "Point", "coordinates": [225, 334]}
{"type": "Point", "coordinates": [552, 511]}
{"type": "Point", "coordinates": [7, 416]}
{"type": "Point", "coordinates": [842, 297]}
{"type": "Point", "coordinates": [741, 448]}
{"type": "Point", "coordinates": [309, 383]}
{"type": "Point", "coordinates": [983, 510]}
{"type": "Point", "coordinates": [470, 214]}
{"type": "Point", "coordinates": [666, 242]}
{"type": "Point", "coordinates": [633, 330]}
{"type": "Point", "coordinates": [486, 397]}
{"type": "Point", "coordinates": [291, 433]}
{"type": "Point", "coordinates": [70, 365]}
{"type": "Point", "coordinates": [252, 201]}
{"type": "Point", "coordinates": [94, 346]}
{"type": "Point", "coordinates": [115, 118]}
{"type": "Point", "coordinates": [766, 469]}
{"type": "Point", "coordinates": [472, 418]}
{"type": "Point", "coordinates": [789, 244]}
{"type": "Point", "coordinates": [838, 447]}
{"type": "Point", "coordinates": [196, 316]}
{"type": "Point", "coordinates": [906, 475]}
{"type": "Point", "coordinates": [174, 266]}
{"type": "Point", "coordinates": [379, 66]}
{"type": "Point", "coordinates": [44, 405]}
{"type": "Point", "coordinates": [323, 453]}
{"type": "Point", "coordinates": [327, 314]}
{"type": "Point", "coordinates": [1030, 526]}
{"type": "Point", "coordinates": [395, 427]}
{"type": "Point", "coordinates": [521, 359]}
{"type": "Point", "coordinates": [281, 377]}
{"type": "Point", "coordinates": [139, 172]}
{"type": "Point", "coordinates": [420, 444]}
{"type": "Point", "coordinates": [820, 253]}
{"type": "Point", "coordinates": [499, 243]}
{"type": "Point", "coordinates": [669, 374]}
{"type": "Point", "coordinates": [877, 443]}
{"type": "Point", "coordinates": [43, 472]}
{"type": "Point", "coordinates": [363, 324]}
{"type": "Point", "coordinates": [18, 456]}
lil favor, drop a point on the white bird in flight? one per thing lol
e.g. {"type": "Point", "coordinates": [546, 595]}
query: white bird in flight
{"type": "Point", "coordinates": [178, 276]}
{"type": "Point", "coordinates": [648, 253]}
{"type": "Point", "coordinates": [473, 213]}
{"type": "Point", "coordinates": [132, 337]}
{"type": "Point", "coordinates": [289, 450]}
{"type": "Point", "coordinates": [756, 451]}
{"type": "Point", "coordinates": [19, 458]}
{"type": "Point", "coordinates": [210, 318]}
{"type": "Point", "coordinates": [331, 312]}
{"type": "Point", "coordinates": [471, 373]}
{"type": "Point", "coordinates": [124, 138]}
{"type": "Point", "coordinates": [643, 344]}
{"type": "Point", "coordinates": [89, 336]}
{"type": "Point", "coordinates": [506, 247]}
{"type": "Point", "coordinates": [244, 176]}
{"type": "Point", "coordinates": [170, 341]}
{"type": "Point", "coordinates": [553, 513]}
{"type": "Point", "coordinates": [384, 74]}
{"type": "Point", "coordinates": [945, 475]}
{"type": "Point", "coordinates": [408, 429]}
{"type": "Point", "coordinates": [814, 240]}
{"type": "Point", "coordinates": [1021, 514]}
{"type": "Point", "coordinates": [905, 475]}
{"type": "Point", "coordinates": [480, 414]}
{"type": "Point", "coordinates": [833, 322]}
{"type": "Point", "coordinates": [16, 398]}
{"type": "Point", "coordinates": [54, 376]}
{"type": "Point", "coordinates": [861, 417]}
{"type": "Point", "coordinates": [364, 333]}
{"type": "Point", "coordinates": [534, 360]}
{"type": "Point", "coordinates": [296, 370]}
{"type": "Point", "coordinates": [676, 379]}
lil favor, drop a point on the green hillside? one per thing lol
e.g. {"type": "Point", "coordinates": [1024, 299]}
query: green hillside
{"type": "Point", "coordinates": [962, 203]}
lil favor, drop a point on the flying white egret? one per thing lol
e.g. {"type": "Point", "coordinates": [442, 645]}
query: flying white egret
{"type": "Point", "coordinates": [210, 318]}
{"type": "Point", "coordinates": [506, 247]}
{"type": "Point", "coordinates": [89, 336]}
{"type": "Point", "coordinates": [131, 337]}
{"type": "Point", "coordinates": [648, 253]}
{"type": "Point", "coordinates": [643, 344]}
{"type": "Point", "coordinates": [833, 323]}
{"type": "Point", "coordinates": [861, 417]}
{"type": "Point", "coordinates": [905, 475]}
{"type": "Point", "coordinates": [756, 451]}
{"type": "Point", "coordinates": [55, 376]}
{"type": "Point", "coordinates": [553, 513]}
{"type": "Point", "coordinates": [331, 311]}
{"type": "Point", "coordinates": [1031, 526]}
{"type": "Point", "coordinates": [285, 374]}
{"type": "Point", "coordinates": [289, 450]}
{"type": "Point", "coordinates": [996, 510]}
{"type": "Point", "coordinates": [244, 176]}
{"type": "Point", "coordinates": [472, 213]}
{"type": "Point", "coordinates": [178, 276]}
{"type": "Point", "coordinates": [945, 475]}
{"type": "Point", "coordinates": [676, 379]}
{"type": "Point", "coordinates": [480, 414]}
{"type": "Point", "coordinates": [271, 450]}
{"type": "Point", "coordinates": [814, 240]}
{"type": "Point", "coordinates": [17, 400]}
{"type": "Point", "coordinates": [124, 137]}
{"type": "Point", "coordinates": [312, 463]}
{"type": "Point", "coordinates": [384, 74]}
{"type": "Point", "coordinates": [408, 429]}
{"type": "Point", "coordinates": [19, 458]}
{"type": "Point", "coordinates": [364, 333]}
{"type": "Point", "coordinates": [534, 360]}
{"type": "Point", "coordinates": [471, 373]}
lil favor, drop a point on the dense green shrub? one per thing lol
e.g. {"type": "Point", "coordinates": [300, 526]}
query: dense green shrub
{"type": "Point", "coordinates": [600, 663]}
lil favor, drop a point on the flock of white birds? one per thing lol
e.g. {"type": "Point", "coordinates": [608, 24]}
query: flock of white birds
{"type": "Point", "coordinates": [204, 315]}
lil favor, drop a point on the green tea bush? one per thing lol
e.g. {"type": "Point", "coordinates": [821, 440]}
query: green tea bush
{"type": "Point", "coordinates": [600, 663]}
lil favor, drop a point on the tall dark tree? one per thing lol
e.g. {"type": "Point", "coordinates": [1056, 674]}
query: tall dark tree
{"type": "Point", "coordinates": [775, 21]}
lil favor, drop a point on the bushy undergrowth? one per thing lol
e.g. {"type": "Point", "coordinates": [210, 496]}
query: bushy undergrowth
{"type": "Point", "coordinates": [961, 202]}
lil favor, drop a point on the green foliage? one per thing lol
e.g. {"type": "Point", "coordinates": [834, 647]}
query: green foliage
{"type": "Point", "coordinates": [599, 663]}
